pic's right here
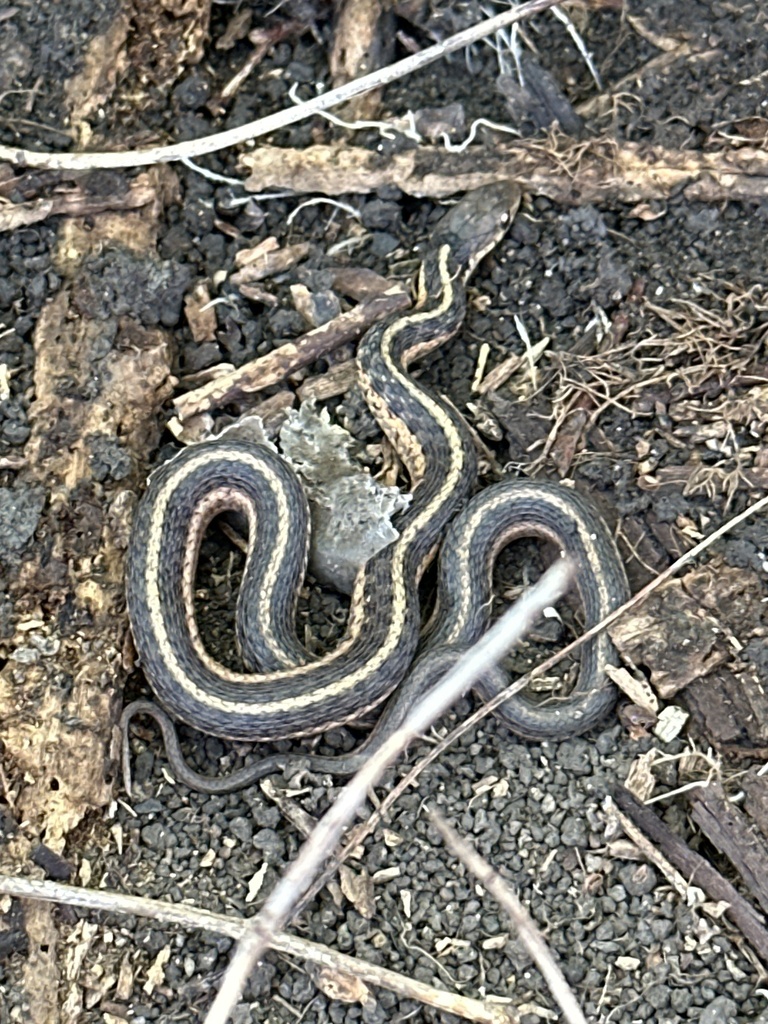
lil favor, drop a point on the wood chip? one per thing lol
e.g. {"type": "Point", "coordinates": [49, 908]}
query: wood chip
{"type": "Point", "coordinates": [265, 261]}
{"type": "Point", "coordinates": [673, 636]}
{"type": "Point", "coordinates": [156, 972]}
{"type": "Point", "coordinates": [200, 315]}
{"type": "Point", "coordinates": [635, 687]}
{"type": "Point", "coordinates": [335, 984]}
{"type": "Point", "coordinates": [255, 883]}
{"type": "Point", "coordinates": [125, 977]}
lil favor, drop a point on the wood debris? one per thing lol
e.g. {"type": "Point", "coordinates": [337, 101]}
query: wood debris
{"type": "Point", "coordinates": [601, 172]}
{"type": "Point", "coordinates": [273, 368]}
{"type": "Point", "coordinates": [692, 865]}
{"type": "Point", "coordinates": [75, 202]}
{"type": "Point", "coordinates": [729, 831]}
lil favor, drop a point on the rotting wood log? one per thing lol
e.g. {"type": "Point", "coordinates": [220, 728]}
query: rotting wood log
{"type": "Point", "coordinates": [100, 376]}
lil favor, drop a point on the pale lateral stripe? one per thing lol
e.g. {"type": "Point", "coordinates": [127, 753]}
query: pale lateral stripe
{"type": "Point", "coordinates": [347, 682]}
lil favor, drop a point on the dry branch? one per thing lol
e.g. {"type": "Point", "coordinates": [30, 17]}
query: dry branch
{"type": "Point", "coordinates": [281, 119]}
{"type": "Point", "coordinates": [598, 171]}
{"type": "Point", "coordinates": [186, 916]}
{"type": "Point", "coordinates": [75, 203]}
{"type": "Point", "coordinates": [728, 829]}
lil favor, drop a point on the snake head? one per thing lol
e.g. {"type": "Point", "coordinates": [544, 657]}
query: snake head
{"type": "Point", "coordinates": [477, 222]}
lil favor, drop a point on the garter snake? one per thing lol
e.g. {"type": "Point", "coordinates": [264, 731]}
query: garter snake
{"type": "Point", "coordinates": [283, 692]}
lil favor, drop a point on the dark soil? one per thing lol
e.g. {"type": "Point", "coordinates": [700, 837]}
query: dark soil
{"type": "Point", "coordinates": [661, 458]}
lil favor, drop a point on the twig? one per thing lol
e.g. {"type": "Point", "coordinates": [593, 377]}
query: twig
{"type": "Point", "coordinates": [529, 934]}
{"type": "Point", "coordinates": [729, 831]}
{"type": "Point", "coordinates": [281, 119]}
{"type": "Point", "coordinates": [293, 355]}
{"type": "Point", "coordinates": [697, 870]}
{"type": "Point", "coordinates": [651, 853]}
{"type": "Point", "coordinates": [281, 902]}
{"type": "Point", "coordinates": [186, 916]}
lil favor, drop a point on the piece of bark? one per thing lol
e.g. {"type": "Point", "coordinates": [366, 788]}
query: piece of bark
{"type": "Point", "coordinates": [570, 436]}
{"type": "Point", "coordinates": [697, 871]}
{"type": "Point", "coordinates": [363, 41]}
{"type": "Point", "coordinates": [165, 38]}
{"type": "Point", "coordinates": [728, 830]}
{"type": "Point", "coordinates": [755, 787]}
{"type": "Point", "coordinates": [265, 261]}
{"type": "Point", "coordinates": [673, 637]}
{"type": "Point", "coordinates": [200, 314]}
{"type": "Point", "coordinates": [75, 203]}
{"type": "Point", "coordinates": [84, 464]}
{"type": "Point", "coordinates": [729, 709]}
{"type": "Point", "coordinates": [359, 283]}
{"type": "Point", "coordinates": [597, 172]}
{"type": "Point", "coordinates": [237, 29]}
{"type": "Point", "coordinates": [103, 62]}
{"type": "Point", "coordinates": [293, 355]}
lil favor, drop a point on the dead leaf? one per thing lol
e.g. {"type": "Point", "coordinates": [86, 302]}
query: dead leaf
{"type": "Point", "coordinates": [358, 888]}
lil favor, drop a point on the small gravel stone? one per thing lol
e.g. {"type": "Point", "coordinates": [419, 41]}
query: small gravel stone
{"type": "Point", "coordinates": [573, 832]}
{"type": "Point", "coordinates": [241, 1014]}
{"type": "Point", "coordinates": [638, 879]}
{"type": "Point", "coordinates": [721, 1010]}
{"type": "Point", "coordinates": [241, 829]}
{"type": "Point", "coordinates": [156, 836]}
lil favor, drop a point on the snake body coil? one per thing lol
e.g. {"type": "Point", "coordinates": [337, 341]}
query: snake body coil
{"type": "Point", "coordinates": [284, 693]}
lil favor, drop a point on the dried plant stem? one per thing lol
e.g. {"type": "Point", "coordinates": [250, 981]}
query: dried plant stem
{"type": "Point", "coordinates": [185, 916]}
